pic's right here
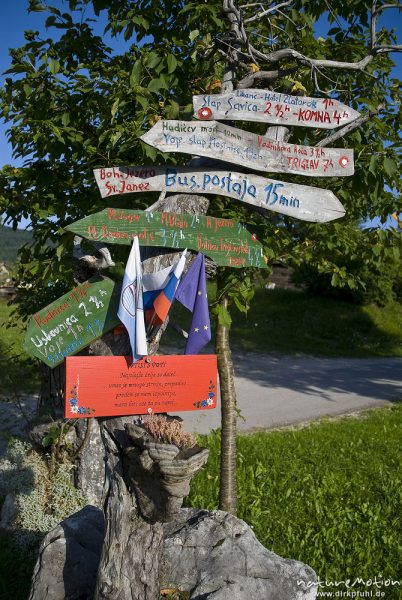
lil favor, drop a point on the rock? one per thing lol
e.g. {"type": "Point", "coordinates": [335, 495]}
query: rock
{"type": "Point", "coordinates": [69, 557]}
{"type": "Point", "coordinates": [216, 556]}
{"type": "Point", "coordinates": [37, 434]}
{"type": "Point", "coordinates": [8, 512]}
{"type": "Point", "coordinates": [211, 554]}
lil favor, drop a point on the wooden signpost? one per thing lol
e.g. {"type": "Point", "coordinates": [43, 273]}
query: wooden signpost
{"type": "Point", "coordinates": [226, 241]}
{"type": "Point", "coordinates": [273, 107]}
{"type": "Point", "coordinates": [300, 201]}
{"type": "Point", "coordinates": [73, 321]}
{"type": "Point", "coordinates": [100, 386]}
{"type": "Point", "coordinates": [217, 140]}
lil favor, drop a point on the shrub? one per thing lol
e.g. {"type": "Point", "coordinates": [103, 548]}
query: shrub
{"type": "Point", "coordinates": [40, 501]}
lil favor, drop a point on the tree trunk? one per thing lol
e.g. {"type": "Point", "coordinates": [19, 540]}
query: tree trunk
{"type": "Point", "coordinates": [227, 490]}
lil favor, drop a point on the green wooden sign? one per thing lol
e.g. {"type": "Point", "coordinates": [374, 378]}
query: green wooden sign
{"type": "Point", "coordinates": [73, 321]}
{"type": "Point", "coordinates": [226, 241]}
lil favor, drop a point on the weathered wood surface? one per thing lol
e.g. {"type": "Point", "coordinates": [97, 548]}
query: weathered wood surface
{"type": "Point", "coordinates": [108, 386]}
{"type": "Point", "coordinates": [300, 201]}
{"type": "Point", "coordinates": [226, 241]}
{"type": "Point", "coordinates": [217, 140]}
{"type": "Point", "coordinates": [72, 322]}
{"type": "Point", "coordinates": [273, 107]}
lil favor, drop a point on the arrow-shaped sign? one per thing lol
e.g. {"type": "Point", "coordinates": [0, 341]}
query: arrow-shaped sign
{"type": "Point", "coordinates": [300, 201]}
{"type": "Point", "coordinates": [73, 321]}
{"type": "Point", "coordinates": [217, 140]}
{"type": "Point", "coordinates": [273, 107]}
{"type": "Point", "coordinates": [226, 241]}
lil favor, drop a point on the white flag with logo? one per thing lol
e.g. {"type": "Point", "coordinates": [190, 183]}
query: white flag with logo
{"type": "Point", "coordinates": [131, 308]}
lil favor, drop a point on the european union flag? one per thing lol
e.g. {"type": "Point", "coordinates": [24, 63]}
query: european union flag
{"type": "Point", "coordinates": [192, 293]}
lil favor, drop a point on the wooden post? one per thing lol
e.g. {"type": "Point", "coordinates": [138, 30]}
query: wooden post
{"type": "Point", "coordinates": [145, 482]}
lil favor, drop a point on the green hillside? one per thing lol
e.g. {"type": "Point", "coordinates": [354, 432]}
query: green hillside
{"type": "Point", "coordinates": [11, 241]}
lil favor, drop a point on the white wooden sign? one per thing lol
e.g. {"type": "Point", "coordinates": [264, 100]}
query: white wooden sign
{"type": "Point", "coordinates": [300, 201]}
{"type": "Point", "coordinates": [273, 107]}
{"type": "Point", "coordinates": [217, 140]}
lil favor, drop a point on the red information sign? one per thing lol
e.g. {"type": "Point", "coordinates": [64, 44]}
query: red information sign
{"type": "Point", "coordinates": [107, 386]}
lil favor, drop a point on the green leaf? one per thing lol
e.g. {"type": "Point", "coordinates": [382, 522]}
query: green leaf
{"type": "Point", "coordinates": [335, 279]}
{"type": "Point", "coordinates": [172, 63]}
{"type": "Point", "coordinates": [143, 101]}
{"type": "Point", "coordinates": [373, 164]}
{"type": "Point", "coordinates": [150, 151]}
{"type": "Point", "coordinates": [54, 66]}
{"type": "Point", "coordinates": [153, 60]}
{"type": "Point", "coordinates": [36, 6]}
{"type": "Point", "coordinates": [129, 31]}
{"type": "Point", "coordinates": [224, 317]}
{"type": "Point", "coordinates": [115, 137]}
{"type": "Point", "coordinates": [194, 34]}
{"type": "Point", "coordinates": [390, 166]}
{"type": "Point", "coordinates": [59, 251]}
{"type": "Point", "coordinates": [155, 85]}
{"type": "Point", "coordinates": [115, 106]}
{"type": "Point", "coordinates": [136, 73]}
{"type": "Point", "coordinates": [241, 306]}
{"type": "Point", "coordinates": [172, 110]}
{"type": "Point", "coordinates": [65, 119]}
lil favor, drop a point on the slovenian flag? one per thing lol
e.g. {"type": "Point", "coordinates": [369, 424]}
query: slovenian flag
{"type": "Point", "coordinates": [131, 309]}
{"type": "Point", "coordinates": [159, 292]}
{"type": "Point", "coordinates": [192, 293]}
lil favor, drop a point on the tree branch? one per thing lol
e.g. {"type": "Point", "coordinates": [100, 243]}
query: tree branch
{"type": "Point", "coordinates": [267, 12]}
{"type": "Point", "coordinates": [375, 12]}
{"type": "Point", "coordinates": [251, 78]}
{"type": "Point", "coordinates": [291, 54]}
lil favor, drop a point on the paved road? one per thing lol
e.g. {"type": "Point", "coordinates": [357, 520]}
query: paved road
{"type": "Point", "coordinates": [274, 391]}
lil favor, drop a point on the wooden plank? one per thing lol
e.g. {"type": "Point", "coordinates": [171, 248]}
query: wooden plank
{"type": "Point", "coordinates": [226, 241]}
{"type": "Point", "coordinates": [107, 386]}
{"type": "Point", "coordinates": [300, 201]}
{"type": "Point", "coordinates": [70, 323]}
{"type": "Point", "coordinates": [217, 140]}
{"type": "Point", "coordinates": [273, 107]}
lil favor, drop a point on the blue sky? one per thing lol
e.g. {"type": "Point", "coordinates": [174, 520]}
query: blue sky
{"type": "Point", "coordinates": [15, 19]}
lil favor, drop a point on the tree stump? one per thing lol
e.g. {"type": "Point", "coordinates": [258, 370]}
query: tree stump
{"type": "Point", "coordinates": [144, 482]}
{"type": "Point", "coordinates": [147, 482]}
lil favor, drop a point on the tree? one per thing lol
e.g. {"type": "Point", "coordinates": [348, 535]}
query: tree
{"type": "Point", "coordinates": [73, 104]}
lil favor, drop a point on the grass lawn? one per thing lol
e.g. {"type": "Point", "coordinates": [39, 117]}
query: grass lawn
{"type": "Point", "coordinates": [329, 494]}
{"type": "Point", "coordinates": [295, 322]}
{"type": "Point", "coordinates": [18, 372]}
